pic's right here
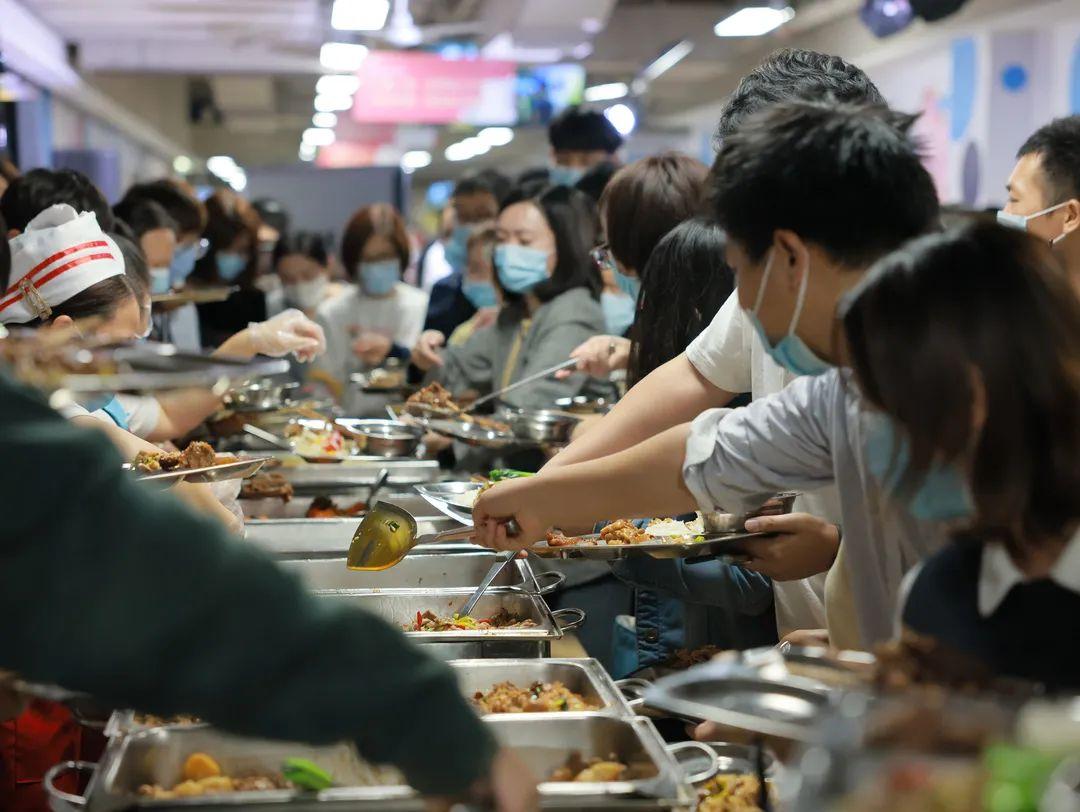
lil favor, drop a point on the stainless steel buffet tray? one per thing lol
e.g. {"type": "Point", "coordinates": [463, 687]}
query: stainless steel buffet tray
{"type": "Point", "coordinates": [435, 566]}
{"type": "Point", "coordinates": [585, 677]}
{"type": "Point", "coordinates": [157, 756]}
{"type": "Point", "coordinates": [400, 609]}
{"type": "Point", "coordinates": [714, 544]}
{"type": "Point", "coordinates": [295, 508]}
{"type": "Point", "coordinates": [351, 474]}
{"type": "Point", "coordinates": [296, 538]}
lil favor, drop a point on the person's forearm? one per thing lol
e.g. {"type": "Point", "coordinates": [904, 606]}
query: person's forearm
{"type": "Point", "coordinates": [673, 394]}
{"type": "Point", "coordinates": [642, 481]}
{"type": "Point", "coordinates": [238, 345]}
{"type": "Point", "coordinates": [182, 411]}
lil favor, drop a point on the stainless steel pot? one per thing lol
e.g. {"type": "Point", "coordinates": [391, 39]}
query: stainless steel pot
{"type": "Point", "coordinates": [542, 426]}
{"type": "Point", "coordinates": [386, 438]}
{"type": "Point", "coordinates": [261, 395]}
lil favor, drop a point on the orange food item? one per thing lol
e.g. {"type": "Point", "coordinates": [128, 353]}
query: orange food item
{"type": "Point", "coordinates": [199, 766]}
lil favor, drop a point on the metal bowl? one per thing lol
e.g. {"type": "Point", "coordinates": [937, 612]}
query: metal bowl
{"type": "Point", "coordinates": [583, 404]}
{"type": "Point", "coordinates": [386, 438]}
{"type": "Point", "coordinates": [543, 426]}
{"type": "Point", "coordinates": [261, 395]}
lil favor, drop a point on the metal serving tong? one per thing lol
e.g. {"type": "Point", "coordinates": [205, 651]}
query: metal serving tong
{"type": "Point", "coordinates": [570, 362]}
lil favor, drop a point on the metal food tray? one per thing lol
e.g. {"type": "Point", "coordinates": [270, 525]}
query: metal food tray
{"type": "Point", "coordinates": [434, 566]}
{"type": "Point", "coordinates": [400, 608]}
{"type": "Point", "coordinates": [194, 295]}
{"type": "Point", "coordinates": [582, 676]}
{"type": "Point", "coordinates": [730, 693]}
{"type": "Point", "coordinates": [239, 469]}
{"type": "Point", "coordinates": [726, 544]}
{"type": "Point", "coordinates": [354, 472]}
{"type": "Point", "coordinates": [295, 538]}
{"type": "Point", "coordinates": [151, 366]}
{"type": "Point", "coordinates": [123, 723]}
{"type": "Point", "coordinates": [472, 434]}
{"type": "Point", "coordinates": [273, 507]}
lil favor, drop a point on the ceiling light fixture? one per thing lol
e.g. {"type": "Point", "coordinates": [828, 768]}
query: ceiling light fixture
{"type": "Point", "coordinates": [496, 136]}
{"type": "Point", "coordinates": [339, 84]}
{"type": "Point", "coordinates": [753, 21]}
{"type": "Point", "coordinates": [318, 137]}
{"type": "Point", "coordinates": [182, 164]}
{"type": "Point", "coordinates": [668, 60]}
{"type": "Point", "coordinates": [325, 120]}
{"type": "Point", "coordinates": [458, 152]}
{"type": "Point", "coordinates": [622, 117]}
{"type": "Point", "coordinates": [307, 152]}
{"type": "Point", "coordinates": [359, 15]}
{"type": "Point", "coordinates": [327, 103]}
{"type": "Point", "coordinates": [606, 92]}
{"type": "Point", "coordinates": [342, 56]}
{"type": "Point", "coordinates": [415, 159]}
{"type": "Point", "coordinates": [221, 165]}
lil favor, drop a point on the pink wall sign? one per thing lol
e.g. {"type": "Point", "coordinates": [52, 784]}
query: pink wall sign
{"type": "Point", "coordinates": [421, 88]}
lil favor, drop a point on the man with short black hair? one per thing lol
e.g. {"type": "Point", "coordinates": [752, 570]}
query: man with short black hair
{"type": "Point", "coordinates": [580, 139]}
{"type": "Point", "coordinates": [30, 194]}
{"type": "Point", "coordinates": [1044, 191]}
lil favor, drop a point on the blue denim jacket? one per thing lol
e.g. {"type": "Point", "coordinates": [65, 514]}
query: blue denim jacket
{"type": "Point", "coordinates": [680, 605]}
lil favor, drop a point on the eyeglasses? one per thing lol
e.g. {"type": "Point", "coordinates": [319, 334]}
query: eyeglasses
{"type": "Point", "coordinates": [602, 258]}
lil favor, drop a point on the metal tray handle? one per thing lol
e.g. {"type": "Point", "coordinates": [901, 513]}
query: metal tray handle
{"type": "Point", "coordinates": [55, 771]}
{"type": "Point", "coordinates": [701, 747]}
{"type": "Point", "coordinates": [633, 690]}
{"type": "Point", "coordinates": [555, 579]}
{"type": "Point", "coordinates": [577, 617]}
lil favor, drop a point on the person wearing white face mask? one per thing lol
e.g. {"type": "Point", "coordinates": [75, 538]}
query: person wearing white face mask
{"type": "Point", "coordinates": [379, 316]}
{"type": "Point", "coordinates": [303, 266]}
{"type": "Point", "coordinates": [1044, 191]}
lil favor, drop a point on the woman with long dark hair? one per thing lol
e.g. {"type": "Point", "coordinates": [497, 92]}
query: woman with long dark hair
{"type": "Point", "coordinates": [980, 420]}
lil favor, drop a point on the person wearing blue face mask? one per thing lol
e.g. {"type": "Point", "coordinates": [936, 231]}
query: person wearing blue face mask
{"type": "Point", "coordinates": [960, 440]}
{"type": "Point", "coordinates": [580, 139]}
{"type": "Point", "coordinates": [380, 316]}
{"type": "Point", "coordinates": [1044, 191]}
{"type": "Point", "coordinates": [816, 431]}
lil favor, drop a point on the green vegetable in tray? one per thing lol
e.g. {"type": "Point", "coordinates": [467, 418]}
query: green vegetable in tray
{"type": "Point", "coordinates": [306, 774]}
{"type": "Point", "coordinates": [499, 474]}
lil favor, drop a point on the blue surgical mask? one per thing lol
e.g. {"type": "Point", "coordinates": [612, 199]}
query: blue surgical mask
{"type": "Point", "coordinates": [159, 280]}
{"type": "Point", "coordinates": [479, 294]}
{"type": "Point", "coordinates": [520, 268]}
{"type": "Point", "coordinates": [379, 278]}
{"type": "Point", "coordinates": [565, 175]}
{"type": "Point", "coordinates": [183, 263]}
{"type": "Point", "coordinates": [943, 495]}
{"type": "Point", "coordinates": [630, 285]}
{"type": "Point", "coordinates": [1020, 221]}
{"type": "Point", "coordinates": [790, 352]}
{"type": "Point", "coordinates": [230, 265]}
{"type": "Point", "coordinates": [457, 248]}
{"type": "Point", "coordinates": [619, 311]}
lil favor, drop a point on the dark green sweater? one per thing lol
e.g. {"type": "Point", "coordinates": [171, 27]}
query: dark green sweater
{"type": "Point", "coordinates": [111, 588]}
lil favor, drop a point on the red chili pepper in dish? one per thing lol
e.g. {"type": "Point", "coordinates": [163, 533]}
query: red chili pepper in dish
{"type": "Point", "coordinates": [419, 620]}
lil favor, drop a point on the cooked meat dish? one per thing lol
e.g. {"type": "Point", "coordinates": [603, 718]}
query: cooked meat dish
{"type": "Point", "coordinates": [197, 455]}
{"type": "Point", "coordinates": [432, 396]}
{"type": "Point", "coordinates": [323, 507]}
{"type": "Point", "coordinates": [386, 378]}
{"type": "Point", "coordinates": [150, 720]}
{"type": "Point", "coordinates": [540, 697]}
{"type": "Point", "coordinates": [925, 724]}
{"type": "Point", "coordinates": [918, 660]}
{"type": "Point", "coordinates": [503, 619]}
{"type": "Point", "coordinates": [267, 486]}
{"type": "Point", "coordinates": [202, 776]}
{"type": "Point", "coordinates": [555, 538]}
{"type": "Point", "coordinates": [688, 657]}
{"type": "Point", "coordinates": [623, 531]}
{"type": "Point", "coordinates": [486, 423]}
{"type": "Point", "coordinates": [600, 770]}
{"type": "Point", "coordinates": [731, 792]}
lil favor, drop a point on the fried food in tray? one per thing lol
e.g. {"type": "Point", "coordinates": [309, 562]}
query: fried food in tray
{"type": "Point", "coordinates": [435, 400]}
{"type": "Point", "coordinates": [731, 792]}
{"type": "Point", "coordinates": [197, 455]}
{"type": "Point", "coordinates": [624, 531]}
{"type": "Point", "coordinates": [323, 507]}
{"type": "Point", "coordinates": [540, 697]}
{"type": "Point", "coordinates": [203, 776]}
{"type": "Point", "coordinates": [267, 486]}
{"type": "Point", "coordinates": [180, 719]}
{"type": "Point", "coordinates": [599, 770]}
{"type": "Point", "coordinates": [503, 619]}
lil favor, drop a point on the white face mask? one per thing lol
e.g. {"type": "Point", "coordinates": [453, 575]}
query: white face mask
{"type": "Point", "coordinates": [307, 295]}
{"type": "Point", "coordinates": [1020, 221]}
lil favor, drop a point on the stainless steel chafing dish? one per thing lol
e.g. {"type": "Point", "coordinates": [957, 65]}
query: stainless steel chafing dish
{"type": "Point", "coordinates": [157, 757]}
{"type": "Point", "coordinates": [353, 473]}
{"type": "Point", "coordinates": [400, 609]}
{"type": "Point", "coordinates": [295, 508]}
{"type": "Point", "coordinates": [585, 677]}
{"type": "Point", "coordinates": [436, 566]}
{"type": "Point", "coordinates": [296, 538]}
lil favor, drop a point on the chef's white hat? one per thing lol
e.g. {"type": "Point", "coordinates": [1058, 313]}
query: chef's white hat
{"type": "Point", "coordinates": [59, 255]}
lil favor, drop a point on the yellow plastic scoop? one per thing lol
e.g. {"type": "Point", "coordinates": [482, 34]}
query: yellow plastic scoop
{"type": "Point", "coordinates": [387, 533]}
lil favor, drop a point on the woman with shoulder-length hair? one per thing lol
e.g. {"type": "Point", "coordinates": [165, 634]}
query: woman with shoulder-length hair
{"type": "Point", "coordinates": [967, 348]}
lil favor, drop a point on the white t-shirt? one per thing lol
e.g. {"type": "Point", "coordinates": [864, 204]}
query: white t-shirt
{"type": "Point", "coordinates": [142, 413]}
{"type": "Point", "coordinates": [729, 354]}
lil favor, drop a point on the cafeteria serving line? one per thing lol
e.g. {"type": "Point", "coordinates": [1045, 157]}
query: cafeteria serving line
{"type": "Point", "coordinates": [461, 404]}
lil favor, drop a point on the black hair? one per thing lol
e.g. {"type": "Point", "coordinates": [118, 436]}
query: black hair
{"type": "Point", "coordinates": [472, 185]}
{"type": "Point", "coordinates": [135, 267]}
{"type": "Point", "coordinates": [143, 215]}
{"type": "Point", "coordinates": [30, 194]}
{"type": "Point", "coordinates": [845, 178]}
{"type": "Point", "coordinates": [1058, 145]}
{"type": "Point", "coordinates": [273, 213]}
{"type": "Point", "coordinates": [496, 181]}
{"type": "Point", "coordinates": [795, 74]}
{"type": "Point", "coordinates": [683, 285]}
{"type": "Point", "coordinates": [310, 244]}
{"type": "Point", "coordinates": [562, 208]}
{"type": "Point", "coordinates": [579, 130]}
{"type": "Point", "coordinates": [183, 207]}
{"type": "Point", "coordinates": [595, 179]}
{"type": "Point", "coordinates": [935, 321]}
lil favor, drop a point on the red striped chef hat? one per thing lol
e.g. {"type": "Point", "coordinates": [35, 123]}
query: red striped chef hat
{"type": "Point", "coordinates": [59, 255]}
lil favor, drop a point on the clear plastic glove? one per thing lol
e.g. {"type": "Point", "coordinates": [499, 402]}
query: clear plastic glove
{"type": "Point", "coordinates": [288, 332]}
{"type": "Point", "coordinates": [425, 354]}
{"type": "Point", "coordinates": [599, 357]}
